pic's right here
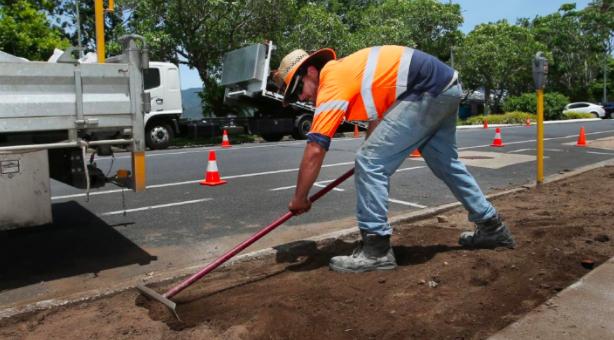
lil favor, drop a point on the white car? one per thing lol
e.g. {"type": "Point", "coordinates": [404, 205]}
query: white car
{"type": "Point", "coordinates": [585, 107]}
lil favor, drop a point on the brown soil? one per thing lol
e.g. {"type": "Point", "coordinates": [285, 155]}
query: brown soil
{"type": "Point", "coordinates": [439, 291]}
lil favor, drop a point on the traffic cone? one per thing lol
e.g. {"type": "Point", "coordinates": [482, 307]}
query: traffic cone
{"type": "Point", "coordinates": [225, 141]}
{"type": "Point", "coordinates": [356, 134]}
{"type": "Point", "coordinates": [415, 154]}
{"type": "Point", "coordinates": [581, 138]}
{"type": "Point", "coordinates": [485, 123]}
{"type": "Point", "coordinates": [212, 176]}
{"type": "Point", "coordinates": [528, 123]}
{"type": "Point", "coordinates": [497, 142]}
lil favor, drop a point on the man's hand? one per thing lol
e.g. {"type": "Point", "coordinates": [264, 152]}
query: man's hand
{"type": "Point", "coordinates": [299, 205]}
{"type": "Point", "coordinates": [307, 174]}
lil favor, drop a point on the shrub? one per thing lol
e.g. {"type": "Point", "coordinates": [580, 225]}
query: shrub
{"type": "Point", "coordinates": [507, 118]}
{"type": "Point", "coordinates": [577, 115]}
{"type": "Point", "coordinates": [554, 104]}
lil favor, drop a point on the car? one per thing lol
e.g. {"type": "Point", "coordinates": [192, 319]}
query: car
{"type": "Point", "coordinates": [609, 109]}
{"type": "Point", "coordinates": [585, 107]}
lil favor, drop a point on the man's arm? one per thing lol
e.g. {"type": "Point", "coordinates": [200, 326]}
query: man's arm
{"type": "Point", "coordinates": [372, 125]}
{"type": "Point", "coordinates": [307, 175]}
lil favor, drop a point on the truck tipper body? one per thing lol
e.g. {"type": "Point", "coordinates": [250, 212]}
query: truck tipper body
{"type": "Point", "coordinates": [53, 114]}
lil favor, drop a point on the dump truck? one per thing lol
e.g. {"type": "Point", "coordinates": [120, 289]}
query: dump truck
{"type": "Point", "coordinates": [247, 78]}
{"type": "Point", "coordinates": [53, 114]}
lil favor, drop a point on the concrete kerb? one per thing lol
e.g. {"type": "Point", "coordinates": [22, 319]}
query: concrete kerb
{"type": "Point", "coordinates": [351, 233]}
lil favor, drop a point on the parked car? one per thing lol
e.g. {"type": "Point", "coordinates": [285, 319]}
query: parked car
{"type": "Point", "coordinates": [609, 109]}
{"type": "Point", "coordinates": [585, 107]}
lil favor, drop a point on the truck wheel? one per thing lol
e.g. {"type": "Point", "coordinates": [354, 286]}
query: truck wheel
{"type": "Point", "coordinates": [158, 136]}
{"type": "Point", "coordinates": [302, 128]}
{"type": "Point", "coordinates": [272, 137]}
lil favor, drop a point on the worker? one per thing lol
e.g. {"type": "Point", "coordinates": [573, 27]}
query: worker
{"type": "Point", "coordinates": [410, 100]}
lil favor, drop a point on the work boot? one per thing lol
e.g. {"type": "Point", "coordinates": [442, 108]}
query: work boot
{"type": "Point", "coordinates": [489, 234]}
{"type": "Point", "coordinates": [373, 253]}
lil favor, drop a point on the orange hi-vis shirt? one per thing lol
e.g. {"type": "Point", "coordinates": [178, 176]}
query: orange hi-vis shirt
{"type": "Point", "coordinates": [360, 87]}
{"type": "Point", "coordinates": [363, 85]}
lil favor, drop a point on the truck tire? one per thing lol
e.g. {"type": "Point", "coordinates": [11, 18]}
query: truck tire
{"type": "Point", "coordinates": [302, 127]}
{"type": "Point", "coordinates": [158, 136]}
{"type": "Point", "coordinates": [272, 137]}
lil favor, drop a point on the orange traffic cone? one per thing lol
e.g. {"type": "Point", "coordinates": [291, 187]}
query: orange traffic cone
{"type": "Point", "coordinates": [356, 133]}
{"type": "Point", "coordinates": [581, 138]}
{"type": "Point", "coordinates": [225, 141]}
{"type": "Point", "coordinates": [528, 123]}
{"type": "Point", "coordinates": [497, 142]}
{"type": "Point", "coordinates": [212, 176]}
{"type": "Point", "coordinates": [485, 123]}
{"type": "Point", "coordinates": [415, 154]}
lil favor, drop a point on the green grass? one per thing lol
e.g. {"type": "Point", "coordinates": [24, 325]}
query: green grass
{"type": "Point", "coordinates": [516, 117]}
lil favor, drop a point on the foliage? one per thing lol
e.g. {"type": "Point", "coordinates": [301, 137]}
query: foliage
{"type": "Point", "coordinates": [26, 32]}
{"type": "Point", "coordinates": [429, 25]}
{"type": "Point", "coordinates": [498, 57]}
{"type": "Point", "coordinates": [577, 44]}
{"type": "Point", "coordinates": [553, 104]}
{"type": "Point", "coordinates": [577, 115]}
{"type": "Point", "coordinates": [516, 117]}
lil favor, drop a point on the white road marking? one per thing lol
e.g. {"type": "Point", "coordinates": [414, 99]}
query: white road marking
{"type": "Point", "coordinates": [155, 207]}
{"type": "Point", "coordinates": [409, 204]}
{"type": "Point", "coordinates": [533, 149]}
{"type": "Point", "coordinates": [601, 153]}
{"type": "Point", "coordinates": [320, 184]}
{"type": "Point", "coordinates": [153, 186]}
{"type": "Point", "coordinates": [292, 170]}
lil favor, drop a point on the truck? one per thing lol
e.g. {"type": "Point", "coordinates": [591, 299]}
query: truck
{"type": "Point", "coordinates": [246, 76]}
{"type": "Point", "coordinates": [53, 114]}
{"type": "Point", "coordinates": [161, 80]}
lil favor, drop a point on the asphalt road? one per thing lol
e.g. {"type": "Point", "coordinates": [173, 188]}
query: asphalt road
{"type": "Point", "coordinates": [261, 179]}
{"type": "Point", "coordinates": [119, 235]}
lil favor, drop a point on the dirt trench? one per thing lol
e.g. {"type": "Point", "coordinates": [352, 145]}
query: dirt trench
{"type": "Point", "coordinates": [439, 291]}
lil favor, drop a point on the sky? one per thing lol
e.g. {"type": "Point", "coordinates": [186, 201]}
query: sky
{"type": "Point", "coordinates": [475, 12]}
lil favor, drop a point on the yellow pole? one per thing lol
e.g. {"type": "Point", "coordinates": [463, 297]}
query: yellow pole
{"type": "Point", "coordinates": [540, 136]}
{"type": "Point", "coordinates": [138, 167]}
{"type": "Point", "coordinates": [99, 14]}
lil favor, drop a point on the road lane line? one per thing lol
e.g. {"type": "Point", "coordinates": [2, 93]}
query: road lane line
{"type": "Point", "coordinates": [409, 204]}
{"type": "Point", "coordinates": [292, 170]}
{"type": "Point", "coordinates": [154, 186]}
{"type": "Point", "coordinates": [155, 207]}
{"type": "Point", "coordinates": [601, 153]}
{"type": "Point", "coordinates": [320, 183]}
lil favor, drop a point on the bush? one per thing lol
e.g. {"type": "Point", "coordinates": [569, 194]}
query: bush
{"type": "Point", "coordinates": [554, 103]}
{"type": "Point", "coordinates": [507, 118]}
{"type": "Point", "coordinates": [577, 115]}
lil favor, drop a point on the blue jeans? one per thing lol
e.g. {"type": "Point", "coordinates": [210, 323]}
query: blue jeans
{"type": "Point", "coordinates": [429, 124]}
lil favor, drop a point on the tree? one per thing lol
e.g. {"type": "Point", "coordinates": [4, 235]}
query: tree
{"type": "Point", "coordinates": [26, 32]}
{"type": "Point", "coordinates": [598, 18]}
{"type": "Point", "coordinates": [497, 57]}
{"type": "Point", "coordinates": [199, 33]}
{"type": "Point", "coordinates": [429, 25]}
{"type": "Point", "coordinates": [576, 48]}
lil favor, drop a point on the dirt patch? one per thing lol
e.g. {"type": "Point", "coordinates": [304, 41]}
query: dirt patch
{"type": "Point", "coordinates": [439, 291]}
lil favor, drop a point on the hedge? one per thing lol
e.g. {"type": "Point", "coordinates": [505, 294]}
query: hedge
{"type": "Point", "coordinates": [554, 103]}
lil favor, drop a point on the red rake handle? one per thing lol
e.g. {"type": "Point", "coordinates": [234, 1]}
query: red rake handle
{"type": "Point", "coordinates": [255, 237]}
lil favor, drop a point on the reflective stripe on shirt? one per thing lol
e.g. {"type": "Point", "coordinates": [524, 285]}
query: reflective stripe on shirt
{"type": "Point", "coordinates": [332, 105]}
{"type": "Point", "coordinates": [367, 82]}
{"type": "Point", "coordinates": [403, 72]}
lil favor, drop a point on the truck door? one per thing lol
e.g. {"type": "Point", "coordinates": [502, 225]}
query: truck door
{"type": "Point", "coordinates": [152, 82]}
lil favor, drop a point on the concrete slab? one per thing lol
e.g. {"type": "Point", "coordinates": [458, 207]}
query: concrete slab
{"type": "Point", "coordinates": [584, 310]}
{"type": "Point", "coordinates": [606, 143]}
{"type": "Point", "coordinates": [491, 160]}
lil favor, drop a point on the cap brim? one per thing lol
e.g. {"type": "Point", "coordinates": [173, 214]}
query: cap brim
{"type": "Point", "coordinates": [318, 59]}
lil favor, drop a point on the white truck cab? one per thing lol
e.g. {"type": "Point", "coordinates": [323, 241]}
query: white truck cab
{"type": "Point", "coordinates": [161, 81]}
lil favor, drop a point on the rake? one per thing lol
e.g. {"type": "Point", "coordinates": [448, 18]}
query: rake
{"type": "Point", "coordinates": [166, 297]}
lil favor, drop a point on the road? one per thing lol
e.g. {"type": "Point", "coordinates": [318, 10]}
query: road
{"type": "Point", "coordinates": [118, 236]}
